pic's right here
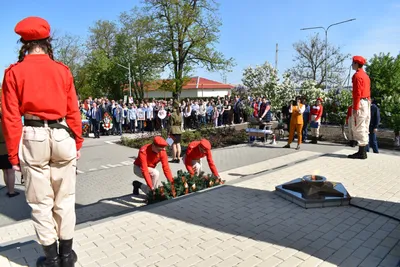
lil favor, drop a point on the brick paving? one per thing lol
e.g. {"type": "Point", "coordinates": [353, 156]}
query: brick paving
{"type": "Point", "coordinates": [244, 223]}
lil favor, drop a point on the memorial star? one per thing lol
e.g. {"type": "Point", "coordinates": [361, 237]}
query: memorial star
{"type": "Point", "coordinates": [314, 190]}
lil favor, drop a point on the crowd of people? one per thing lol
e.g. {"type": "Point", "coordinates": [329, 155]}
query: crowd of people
{"type": "Point", "coordinates": [102, 116]}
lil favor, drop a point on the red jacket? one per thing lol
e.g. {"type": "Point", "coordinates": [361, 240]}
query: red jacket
{"type": "Point", "coordinates": [193, 153]}
{"type": "Point", "coordinates": [42, 87]}
{"type": "Point", "coordinates": [148, 158]}
{"type": "Point", "coordinates": [316, 110]}
{"type": "Point", "coordinates": [361, 87]}
{"type": "Point", "coordinates": [349, 112]}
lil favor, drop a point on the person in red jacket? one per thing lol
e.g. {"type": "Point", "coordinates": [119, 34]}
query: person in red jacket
{"type": "Point", "coordinates": [350, 123]}
{"type": "Point", "coordinates": [195, 152]}
{"type": "Point", "coordinates": [47, 147]}
{"type": "Point", "coordinates": [315, 119]}
{"type": "Point", "coordinates": [361, 107]}
{"type": "Point", "coordinates": [145, 165]}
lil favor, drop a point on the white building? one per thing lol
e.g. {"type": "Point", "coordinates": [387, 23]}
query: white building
{"type": "Point", "coordinates": [196, 87]}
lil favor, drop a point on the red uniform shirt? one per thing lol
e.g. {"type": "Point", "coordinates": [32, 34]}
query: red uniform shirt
{"type": "Point", "coordinates": [316, 110]}
{"type": "Point", "coordinates": [361, 87]}
{"type": "Point", "coordinates": [42, 87]}
{"type": "Point", "coordinates": [255, 109]}
{"type": "Point", "coordinates": [148, 158]}
{"type": "Point", "coordinates": [193, 153]}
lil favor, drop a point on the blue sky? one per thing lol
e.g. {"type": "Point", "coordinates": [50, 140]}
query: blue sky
{"type": "Point", "coordinates": [250, 28]}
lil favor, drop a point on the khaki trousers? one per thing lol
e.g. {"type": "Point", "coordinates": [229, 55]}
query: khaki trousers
{"type": "Point", "coordinates": [315, 131]}
{"type": "Point", "coordinates": [154, 174]}
{"type": "Point", "coordinates": [48, 163]}
{"type": "Point", "coordinates": [351, 126]}
{"type": "Point", "coordinates": [195, 164]}
{"type": "Point", "coordinates": [361, 123]}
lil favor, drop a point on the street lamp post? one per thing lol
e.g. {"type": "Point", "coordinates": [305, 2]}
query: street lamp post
{"type": "Point", "coordinates": [326, 43]}
{"type": "Point", "coordinates": [130, 77]}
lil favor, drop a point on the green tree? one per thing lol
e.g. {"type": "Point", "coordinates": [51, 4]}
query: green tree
{"type": "Point", "coordinates": [69, 50]}
{"type": "Point", "coordinates": [336, 104]}
{"type": "Point", "coordinates": [384, 72]}
{"type": "Point", "coordinates": [310, 60]}
{"type": "Point", "coordinates": [102, 75]}
{"type": "Point", "coordinates": [188, 31]}
{"type": "Point", "coordinates": [138, 46]}
{"type": "Point", "coordinates": [390, 112]}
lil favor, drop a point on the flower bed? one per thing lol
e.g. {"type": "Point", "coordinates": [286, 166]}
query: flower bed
{"type": "Point", "coordinates": [184, 184]}
{"type": "Point", "coordinates": [218, 137]}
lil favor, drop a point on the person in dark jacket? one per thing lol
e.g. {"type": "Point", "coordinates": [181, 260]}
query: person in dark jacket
{"type": "Point", "coordinates": [373, 127]}
{"type": "Point", "coordinates": [306, 118]}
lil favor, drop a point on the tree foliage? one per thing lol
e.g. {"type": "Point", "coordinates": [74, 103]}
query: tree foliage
{"type": "Point", "coordinates": [188, 31]}
{"type": "Point", "coordinates": [310, 59]}
{"type": "Point", "coordinates": [384, 72]}
{"type": "Point", "coordinates": [139, 47]}
{"type": "Point", "coordinates": [390, 111]}
{"type": "Point", "coordinates": [263, 80]}
{"type": "Point", "coordinates": [336, 104]}
{"type": "Point", "coordinates": [310, 90]}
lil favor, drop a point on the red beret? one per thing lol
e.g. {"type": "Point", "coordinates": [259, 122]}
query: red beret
{"type": "Point", "coordinates": [359, 60]}
{"type": "Point", "coordinates": [205, 144]}
{"type": "Point", "coordinates": [159, 141]}
{"type": "Point", "coordinates": [33, 28]}
{"type": "Point", "coordinates": [320, 99]}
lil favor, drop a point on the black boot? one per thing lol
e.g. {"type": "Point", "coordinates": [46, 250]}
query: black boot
{"type": "Point", "coordinates": [136, 186]}
{"type": "Point", "coordinates": [315, 140]}
{"type": "Point", "coordinates": [363, 154]}
{"type": "Point", "coordinates": [51, 258]}
{"type": "Point", "coordinates": [67, 255]}
{"type": "Point", "coordinates": [356, 155]}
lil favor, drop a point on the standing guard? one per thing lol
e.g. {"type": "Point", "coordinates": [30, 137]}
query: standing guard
{"type": "Point", "coordinates": [47, 147]}
{"type": "Point", "coordinates": [361, 107]}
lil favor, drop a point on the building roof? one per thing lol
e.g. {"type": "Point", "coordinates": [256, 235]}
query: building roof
{"type": "Point", "coordinates": [194, 83]}
{"type": "Point", "coordinates": [203, 83]}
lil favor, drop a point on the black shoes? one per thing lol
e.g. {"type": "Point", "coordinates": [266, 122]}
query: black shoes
{"type": "Point", "coordinates": [287, 146]}
{"type": "Point", "coordinates": [361, 154]}
{"type": "Point", "coordinates": [51, 258]}
{"type": "Point", "coordinates": [353, 143]}
{"type": "Point", "coordinates": [175, 161]}
{"type": "Point", "coordinates": [136, 186]}
{"type": "Point", "coordinates": [67, 256]}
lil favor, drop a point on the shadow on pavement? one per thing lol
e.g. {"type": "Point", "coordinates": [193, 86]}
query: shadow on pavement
{"type": "Point", "coordinates": [263, 216]}
{"type": "Point", "coordinates": [260, 215]}
{"type": "Point", "coordinates": [332, 155]}
{"type": "Point", "coordinates": [14, 209]}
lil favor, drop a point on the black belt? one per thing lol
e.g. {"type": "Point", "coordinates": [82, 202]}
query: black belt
{"type": "Point", "coordinates": [53, 124]}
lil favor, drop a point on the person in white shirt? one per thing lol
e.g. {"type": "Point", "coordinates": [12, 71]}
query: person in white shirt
{"type": "Point", "coordinates": [202, 113]}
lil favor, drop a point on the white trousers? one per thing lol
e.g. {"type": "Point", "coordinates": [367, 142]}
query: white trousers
{"type": "Point", "coordinates": [154, 174]}
{"type": "Point", "coordinates": [361, 122]}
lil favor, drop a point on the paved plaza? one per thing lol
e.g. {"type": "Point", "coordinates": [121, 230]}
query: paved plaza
{"type": "Point", "coordinates": [242, 223]}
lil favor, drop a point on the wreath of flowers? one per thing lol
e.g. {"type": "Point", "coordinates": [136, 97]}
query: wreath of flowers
{"type": "Point", "coordinates": [85, 129]}
{"type": "Point", "coordinates": [107, 121]}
